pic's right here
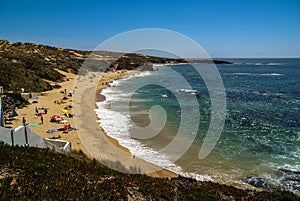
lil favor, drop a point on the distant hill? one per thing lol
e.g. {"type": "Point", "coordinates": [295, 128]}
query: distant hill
{"type": "Point", "coordinates": [27, 65]}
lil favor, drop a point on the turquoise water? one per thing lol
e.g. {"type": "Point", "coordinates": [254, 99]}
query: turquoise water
{"type": "Point", "coordinates": [260, 142]}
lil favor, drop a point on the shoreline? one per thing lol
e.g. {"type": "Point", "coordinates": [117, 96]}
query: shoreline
{"type": "Point", "coordinates": [100, 146]}
{"type": "Point", "coordinates": [235, 183]}
{"type": "Point", "coordinates": [90, 138]}
{"type": "Point", "coordinates": [99, 98]}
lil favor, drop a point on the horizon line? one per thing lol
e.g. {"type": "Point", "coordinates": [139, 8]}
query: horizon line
{"type": "Point", "coordinates": [215, 57]}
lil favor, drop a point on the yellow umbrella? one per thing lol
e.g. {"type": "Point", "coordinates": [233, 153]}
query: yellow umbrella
{"type": "Point", "coordinates": [64, 111]}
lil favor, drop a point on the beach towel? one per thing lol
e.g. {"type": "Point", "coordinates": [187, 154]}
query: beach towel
{"type": "Point", "coordinates": [63, 121]}
{"type": "Point", "coordinates": [33, 124]}
{"type": "Point", "coordinates": [56, 118]}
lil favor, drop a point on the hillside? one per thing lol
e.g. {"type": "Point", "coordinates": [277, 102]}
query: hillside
{"type": "Point", "coordinates": [29, 66]}
{"type": "Point", "coordinates": [25, 65]}
{"type": "Point", "coordinates": [41, 174]}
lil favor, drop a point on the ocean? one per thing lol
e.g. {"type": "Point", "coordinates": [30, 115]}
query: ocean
{"type": "Point", "coordinates": [259, 144]}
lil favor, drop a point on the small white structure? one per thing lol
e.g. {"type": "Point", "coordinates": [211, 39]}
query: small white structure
{"type": "Point", "coordinates": [58, 144]}
{"type": "Point", "coordinates": [23, 136]}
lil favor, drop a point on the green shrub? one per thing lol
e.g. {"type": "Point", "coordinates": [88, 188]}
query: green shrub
{"type": "Point", "coordinates": [46, 175]}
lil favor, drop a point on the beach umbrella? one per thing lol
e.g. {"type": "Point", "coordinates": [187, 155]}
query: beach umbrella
{"type": "Point", "coordinates": [65, 111]}
{"type": "Point", "coordinates": [52, 131]}
{"type": "Point", "coordinates": [35, 99]}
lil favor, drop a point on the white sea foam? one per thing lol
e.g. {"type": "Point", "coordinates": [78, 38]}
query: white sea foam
{"type": "Point", "coordinates": [257, 74]}
{"type": "Point", "coordinates": [241, 73]}
{"type": "Point", "coordinates": [115, 83]}
{"type": "Point", "coordinates": [185, 91]}
{"type": "Point", "coordinates": [261, 64]}
{"type": "Point", "coordinates": [271, 74]}
{"type": "Point", "coordinates": [117, 125]}
{"type": "Point", "coordinates": [274, 64]}
{"type": "Point", "coordinates": [143, 74]}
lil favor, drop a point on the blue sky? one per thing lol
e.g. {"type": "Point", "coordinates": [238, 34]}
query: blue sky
{"type": "Point", "coordinates": [249, 28]}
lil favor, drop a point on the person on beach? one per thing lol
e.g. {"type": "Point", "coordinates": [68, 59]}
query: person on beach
{"type": "Point", "coordinates": [42, 119]}
{"type": "Point", "coordinates": [66, 128]}
{"type": "Point", "coordinates": [36, 110]}
{"type": "Point", "coordinates": [24, 120]}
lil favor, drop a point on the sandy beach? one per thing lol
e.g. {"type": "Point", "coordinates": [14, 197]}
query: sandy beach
{"type": "Point", "coordinates": [98, 144]}
{"type": "Point", "coordinates": [90, 138]}
{"type": "Point", "coordinates": [46, 100]}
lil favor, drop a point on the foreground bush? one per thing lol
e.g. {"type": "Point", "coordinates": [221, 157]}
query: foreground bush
{"type": "Point", "coordinates": [41, 174]}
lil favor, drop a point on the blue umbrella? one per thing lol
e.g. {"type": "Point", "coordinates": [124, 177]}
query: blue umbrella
{"type": "Point", "coordinates": [52, 131]}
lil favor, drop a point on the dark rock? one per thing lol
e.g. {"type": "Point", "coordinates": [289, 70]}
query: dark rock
{"type": "Point", "coordinates": [258, 182]}
{"type": "Point", "coordinates": [208, 61]}
{"type": "Point", "coordinates": [12, 101]}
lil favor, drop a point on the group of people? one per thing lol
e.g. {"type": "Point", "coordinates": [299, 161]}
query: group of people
{"type": "Point", "coordinates": [41, 111]}
{"type": "Point", "coordinates": [45, 111]}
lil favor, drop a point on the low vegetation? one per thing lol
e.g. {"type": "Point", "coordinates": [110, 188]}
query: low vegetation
{"type": "Point", "coordinates": [41, 174]}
